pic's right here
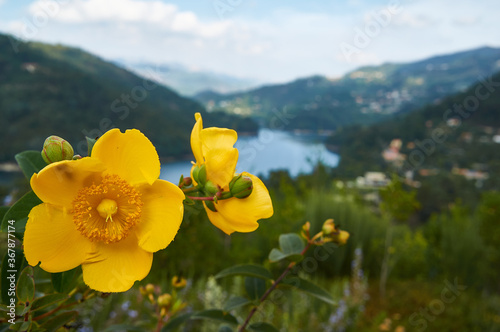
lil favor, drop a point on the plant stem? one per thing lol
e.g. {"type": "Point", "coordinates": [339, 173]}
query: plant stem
{"type": "Point", "coordinates": [189, 190]}
{"type": "Point", "coordinates": [62, 307]}
{"type": "Point", "coordinates": [194, 198]}
{"type": "Point", "coordinates": [270, 289]}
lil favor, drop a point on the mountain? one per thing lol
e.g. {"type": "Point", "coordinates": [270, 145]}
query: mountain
{"type": "Point", "coordinates": [448, 150]}
{"type": "Point", "coordinates": [56, 90]}
{"type": "Point", "coordinates": [189, 82]}
{"type": "Point", "coordinates": [366, 95]}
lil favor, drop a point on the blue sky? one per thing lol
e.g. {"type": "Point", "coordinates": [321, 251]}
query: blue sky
{"type": "Point", "coordinates": [272, 41]}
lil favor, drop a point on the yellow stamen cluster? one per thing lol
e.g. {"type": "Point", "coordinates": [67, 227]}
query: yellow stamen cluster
{"type": "Point", "coordinates": [108, 210]}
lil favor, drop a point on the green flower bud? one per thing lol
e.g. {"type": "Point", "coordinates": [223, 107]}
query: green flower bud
{"type": "Point", "coordinates": [328, 227]}
{"type": "Point", "coordinates": [241, 186]}
{"type": "Point", "coordinates": [340, 237]}
{"type": "Point", "coordinates": [164, 300]}
{"type": "Point", "coordinates": [150, 288]}
{"type": "Point", "coordinates": [200, 174]}
{"type": "Point", "coordinates": [56, 149]}
{"type": "Point", "coordinates": [211, 188]}
{"type": "Point", "coordinates": [187, 181]}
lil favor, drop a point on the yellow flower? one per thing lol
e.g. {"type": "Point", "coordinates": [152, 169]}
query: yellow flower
{"type": "Point", "coordinates": [213, 147]}
{"type": "Point", "coordinates": [108, 212]}
{"type": "Point", "coordinates": [179, 282]}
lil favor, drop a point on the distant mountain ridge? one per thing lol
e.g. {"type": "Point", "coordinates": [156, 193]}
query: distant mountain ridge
{"type": "Point", "coordinates": [57, 90]}
{"type": "Point", "coordinates": [189, 82]}
{"type": "Point", "coordinates": [366, 95]}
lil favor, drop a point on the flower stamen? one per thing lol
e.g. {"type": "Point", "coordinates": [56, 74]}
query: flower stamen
{"type": "Point", "coordinates": [113, 200]}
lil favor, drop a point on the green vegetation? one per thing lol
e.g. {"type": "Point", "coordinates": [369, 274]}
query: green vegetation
{"type": "Point", "coordinates": [364, 96]}
{"type": "Point", "coordinates": [456, 247]}
{"type": "Point", "coordinates": [47, 89]}
{"type": "Point", "coordinates": [450, 155]}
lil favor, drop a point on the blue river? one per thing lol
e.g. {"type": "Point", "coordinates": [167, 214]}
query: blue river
{"type": "Point", "coordinates": [269, 150]}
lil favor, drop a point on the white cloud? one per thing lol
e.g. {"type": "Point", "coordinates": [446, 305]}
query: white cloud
{"type": "Point", "coordinates": [156, 14]}
{"type": "Point", "coordinates": [88, 11]}
{"type": "Point", "coordinates": [268, 43]}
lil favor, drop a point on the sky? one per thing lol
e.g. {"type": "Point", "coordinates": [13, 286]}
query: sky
{"type": "Point", "coordinates": [270, 41]}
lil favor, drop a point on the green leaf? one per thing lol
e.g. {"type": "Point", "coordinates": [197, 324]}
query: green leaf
{"type": "Point", "coordinates": [291, 247]}
{"type": "Point", "coordinates": [60, 320]}
{"type": "Point", "coordinates": [175, 322]}
{"type": "Point", "coordinates": [262, 327]}
{"type": "Point", "coordinates": [22, 325]}
{"type": "Point", "coordinates": [22, 309]}
{"type": "Point", "coordinates": [26, 286]}
{"type": "Point", "coordinates": [247, 270]}
{"type": "Point", "coordinates": [225, 328]}
{"type": "Point", "coordinates": [47, 300]}
{"type": "Point", "coordinates": [90, 144]}
{"type": "Point", "coordinates": [11, 268]}
{"type": "Point", "coordinates": [3, 211]}
{"type": "Point", "coordinates": [291, 244]}
{"type": "Point", "coordinates": [255, 287]}
{"type": "Point", "coordinates": [276, 255]}
{"type": "Point", "coordinates": [30, 162]}
{"type": "Point", "coordinates": [17, 216]}
{"type": "Point", "coordinates": [309, 288]}
{"type": "Point", "coordinates": [63, 282]}
{"type": "Point", "coordinates": [215, 314]}
{"type": "Point", "coordinates": [235, 302]}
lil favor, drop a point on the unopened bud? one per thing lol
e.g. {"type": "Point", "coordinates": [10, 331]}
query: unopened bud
{"type": "Point", "coordinates": [211, 188]}
{"type": "Point", "coordinates": [187, 181]}
{"type": "Point", "coordinates": [55, 149]}
{"type": "Point", "coordinates": [241, 186]}
{"type": "Point", "coordinates": [150, 288]}
{"type": "Point", "coordinates": [306, 227]}
{"type": "Point", "coordinates": [200, 174]}
{"type": "Point", "coordinates": [341, 237]}
{"type": "Point", "coordinates": [164, 300]}
{"type": "Point", "coordinates": [328, 227]}
{"type": "Point", "coordinates": [179, 282]}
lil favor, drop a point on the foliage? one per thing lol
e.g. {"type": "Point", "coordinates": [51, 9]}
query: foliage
{"type": "Point", "coordinates": [76, 94]}
{"type": "Point", "coordinates": [364, 96]}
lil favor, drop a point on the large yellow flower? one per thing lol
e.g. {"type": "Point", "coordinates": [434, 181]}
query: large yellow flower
{"type": "Point", "coordinates": [108, 212]}
{"type": "Point", "coordinates": [213, 147]}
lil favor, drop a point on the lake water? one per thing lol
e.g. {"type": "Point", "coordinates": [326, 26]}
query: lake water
{"type": "Point", "coordinates": [269, 150]}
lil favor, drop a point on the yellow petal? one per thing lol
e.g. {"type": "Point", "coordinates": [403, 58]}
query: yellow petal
{"type": "Point", "coordinates": [161, 215]}
{"type": "Point", "coordinates": [129, 155]}
{"type": "Point", "coordinates": [241, 215]}
{"type": "Point", "coordinates": [58, 183]}
{"type": "Point", "coordinates": [196, 139]}
{"type": "Point", "coordinates": [52, 239]}
{"type": "Point", "coordinates": [116, 266]}
{"type": "Point", "coordinates": [229, 226]}
{"type": "Point", "coordinates": [220, 155]}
